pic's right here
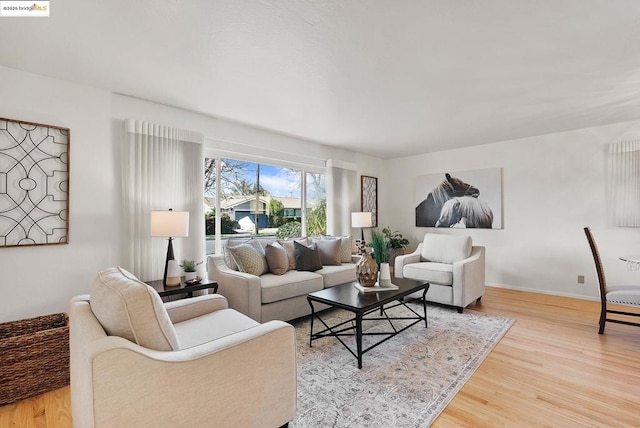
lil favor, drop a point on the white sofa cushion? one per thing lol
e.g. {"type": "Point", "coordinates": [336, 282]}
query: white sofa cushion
{"type": "Point", "coordinates": [212, 326]}
{"type": "Point", "coordinates": [436, 273]}
{"type": "Point", "coordinates": [334, 275]}
{"type": "Point", "coordinates": [446, 248]}
{"type": "Point", "coordinates": [294, 283]}
{"type": "Point", "coordinates": [129, 308]}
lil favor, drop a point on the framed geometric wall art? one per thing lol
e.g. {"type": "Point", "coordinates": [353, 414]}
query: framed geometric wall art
{"type": "Point", "coordinates": [369, 197]}
{"type": "Point", "coordinates": [34, 184]}
{"type": "Point", "coordinates": [460, 199]}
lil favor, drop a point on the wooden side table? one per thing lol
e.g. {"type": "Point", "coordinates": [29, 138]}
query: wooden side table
{"type": "Point", "coordinates": [183, 288]}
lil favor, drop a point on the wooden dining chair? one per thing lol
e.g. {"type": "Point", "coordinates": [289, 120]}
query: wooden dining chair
{"type": "Point", "coordinates": [627, 295]}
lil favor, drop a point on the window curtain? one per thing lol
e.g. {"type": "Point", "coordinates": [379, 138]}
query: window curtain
{"type": "Point", "coordinates": [163, 167]}
{"type": "Point", "coordinates": [342, 196]}
{"type": "Point", "coordinates": [624, 183]}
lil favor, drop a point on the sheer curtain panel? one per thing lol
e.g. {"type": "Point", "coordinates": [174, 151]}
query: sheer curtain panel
{"type": "Point", "coordinates": [342, 196]}
{"type": "Point", "coordinates": [624, 183]}
{"type": "Point", "coordinates": [163, 167]}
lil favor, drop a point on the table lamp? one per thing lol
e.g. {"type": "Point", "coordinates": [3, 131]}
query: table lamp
{"type": "Point", "coordinates": [169, 224]}
{"type": "Point", "coordinates": [361, 220]}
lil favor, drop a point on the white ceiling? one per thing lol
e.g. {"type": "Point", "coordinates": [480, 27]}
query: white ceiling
{"type": "Point", "coordinates": [383, 77]}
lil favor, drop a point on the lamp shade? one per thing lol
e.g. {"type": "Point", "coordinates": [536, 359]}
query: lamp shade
{"type": "Point", "coordinates": [361, 219]}
{"type": "Point", "coordinates": [169, 224]}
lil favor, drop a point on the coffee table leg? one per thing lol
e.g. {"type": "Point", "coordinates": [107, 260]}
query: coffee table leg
{"type": "Point", "coordinates": [424, 304]}
{"type": "Point", "coordinates": [359, 338]}
{"type": "Point", "coordinates": [312, 317]}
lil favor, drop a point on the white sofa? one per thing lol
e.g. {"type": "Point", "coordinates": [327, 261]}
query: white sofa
{"type": "Point", "coordinates": [269, 296]}
{"type": "Point", "coordinates": [454, 268]}
{"type": "Point", "coordinates": [136, 362]}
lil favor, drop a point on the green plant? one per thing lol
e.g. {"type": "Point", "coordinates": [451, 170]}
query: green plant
{"type": "Point", "coordinates": [189, 265]}
{"type": "Point", "coordinates": [379, 246]}
{"type": "Point", "coordinates": [227, 225]}
{"type": "Point", "coordinates": [394, 239]}
{"type": "Point", "coordinates": [276, 210]}
{"type": "Point", "coordinates": [317, 219]}
{"type": "Point", "coordinates": [289, 230]}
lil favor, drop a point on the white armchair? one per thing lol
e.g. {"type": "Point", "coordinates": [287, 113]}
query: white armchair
{"type": "Point", "coordinates": [138, 362]}
{"type": "Point", "coordinates": [453, 267]}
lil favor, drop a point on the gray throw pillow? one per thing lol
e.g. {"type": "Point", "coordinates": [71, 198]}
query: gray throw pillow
{"type": "Point", "coordinates": [346, 248]}
{"type": "Point", "coordinates": [307, 258]}
{"type": "Point", "coordinates": [288, 246]}
{"type": "Point", "coordinates": [329, 251]}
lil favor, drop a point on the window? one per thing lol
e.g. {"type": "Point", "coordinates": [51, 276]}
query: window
{"type": "Point", "coordinates": [624, 183]}
{"type": "Point", "coordinates": [262, 199]}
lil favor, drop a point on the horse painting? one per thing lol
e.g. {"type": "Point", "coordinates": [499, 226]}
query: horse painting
{"type": "Point", "coordinates": [428, 211]}
{"type": "Point", "coordinates": [465, 211]}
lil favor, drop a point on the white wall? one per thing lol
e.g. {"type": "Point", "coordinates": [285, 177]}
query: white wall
{"type": "Point", "coordinates": [39, 280]}
{"type": "Point", "coordinates": [553, 186]}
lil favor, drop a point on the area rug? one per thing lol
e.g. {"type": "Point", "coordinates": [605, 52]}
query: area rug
{"type": "Point", "coordinates": [405, 382]}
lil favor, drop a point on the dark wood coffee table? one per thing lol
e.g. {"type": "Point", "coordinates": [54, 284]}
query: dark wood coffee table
{"type": "Point", "coordinates": [348, 297]}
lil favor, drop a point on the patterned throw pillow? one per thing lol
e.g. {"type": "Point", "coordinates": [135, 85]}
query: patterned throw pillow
{"type": "Point", "coordinates": [249, 259]}
{"type": "Point", "coordinates": [234, 242]}
{"type": "Point", "coordinates": [307, 258]}
{"type": "Point", "coordinates": [277, 259]}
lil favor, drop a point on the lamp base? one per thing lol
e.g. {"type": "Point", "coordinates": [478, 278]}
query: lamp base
{"type": "Point", "coordinates": [166, 262]}
{"type": "Point", "coordinates": [173, 280]}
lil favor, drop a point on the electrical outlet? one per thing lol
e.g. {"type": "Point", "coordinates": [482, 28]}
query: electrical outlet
{"type": "Point", "coordinates": [580, 279]}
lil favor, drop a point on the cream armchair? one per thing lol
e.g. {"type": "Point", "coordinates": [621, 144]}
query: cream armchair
{"type": "Point", "coordinates": [136, 362]}
{"type": "Point", "coordinates": [453, 267]}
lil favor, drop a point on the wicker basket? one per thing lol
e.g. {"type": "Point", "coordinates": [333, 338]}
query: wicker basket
{"type": "Point", "coordinates": [34, 357]}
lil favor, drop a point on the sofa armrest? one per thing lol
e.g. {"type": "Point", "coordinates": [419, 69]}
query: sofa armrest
{"type": "Point", "coordinates": [206, 379]}
{"type": "Point", "coordinates": [414, 257]}
{"type": "Point", "coordinates": [242, 290]}
{"type": "Point", "coordinates": [185, 309]}
{"type": "Point", "coordinates": [469, 277]}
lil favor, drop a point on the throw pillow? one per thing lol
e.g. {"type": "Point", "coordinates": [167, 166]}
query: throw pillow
{"type": "Point", "coordinates": [307, 258]}
{"type": "Point", "coordinates": [249, 259]}
{"type": "Point", "coordinates": [446, 248]}
{"type": "Point", "coordinates": [329, 251]}
{"type": "Point", "coordinates": [234, 242]}
{"type": "Point", "coordinates": [288, 246]}
{"type": "Point", "coordinates": [129, 308]}
{"type": "Point", "coordinates": [346, 247]}
{"type": "Point", "coordinates": [277, 259]}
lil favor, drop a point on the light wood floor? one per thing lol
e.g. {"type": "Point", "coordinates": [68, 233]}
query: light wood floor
{"type": "Point", "coordinates": [551, 369]}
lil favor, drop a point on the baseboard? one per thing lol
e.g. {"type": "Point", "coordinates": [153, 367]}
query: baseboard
{"type": "Point", "coordinates": [548, 292]}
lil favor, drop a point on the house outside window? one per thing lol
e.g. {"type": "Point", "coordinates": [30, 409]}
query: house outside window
{"type": "Point", "coordinates": [261, 200]}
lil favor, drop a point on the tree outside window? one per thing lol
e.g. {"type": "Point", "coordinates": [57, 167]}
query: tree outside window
{"type": "Point", "coordinates": [263, 199]}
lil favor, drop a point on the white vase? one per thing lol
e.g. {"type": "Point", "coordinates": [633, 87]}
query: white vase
{"type": "Point", "coordinates": [190, 275]}
{"type": "Point", "coordinates": [385, 275]}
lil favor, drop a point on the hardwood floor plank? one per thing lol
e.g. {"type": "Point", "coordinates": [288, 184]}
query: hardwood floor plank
{"type": "Point", "coordinates": [552, 368]}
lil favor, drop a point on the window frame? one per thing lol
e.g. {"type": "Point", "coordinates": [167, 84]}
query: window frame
{"type": "Point", "coordinates": [302, 168]}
